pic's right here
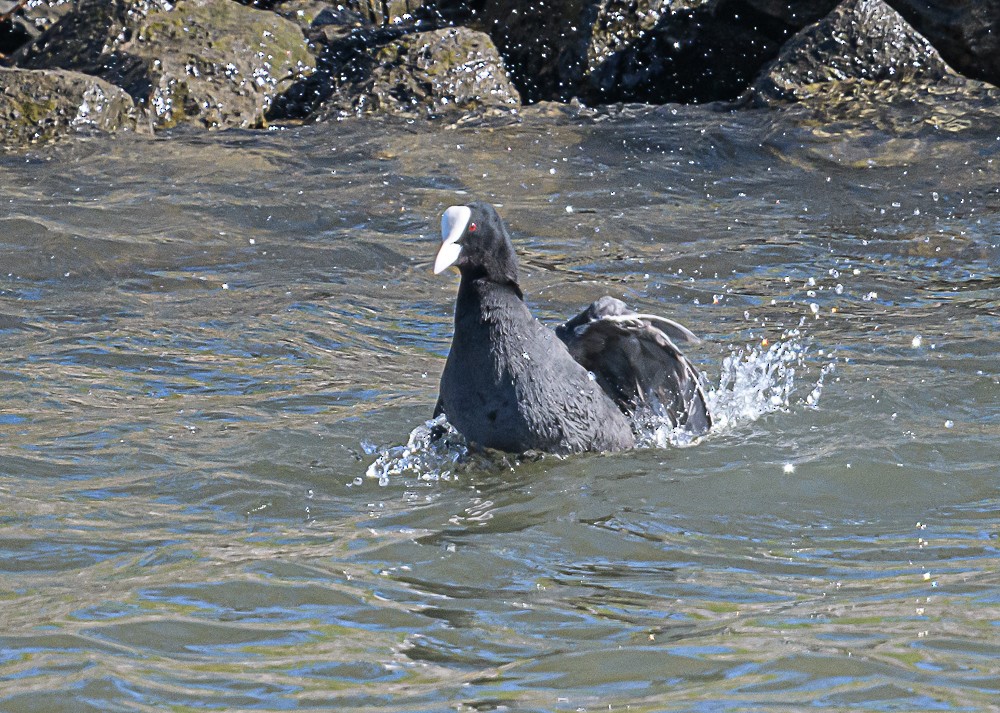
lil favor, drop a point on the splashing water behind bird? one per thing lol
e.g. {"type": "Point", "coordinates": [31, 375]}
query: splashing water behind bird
{"type": "Point", "coordinates": [755, 381]}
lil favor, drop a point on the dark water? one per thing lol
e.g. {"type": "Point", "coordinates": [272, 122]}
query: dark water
{"type": "Point", "coordinates": [208, 340]}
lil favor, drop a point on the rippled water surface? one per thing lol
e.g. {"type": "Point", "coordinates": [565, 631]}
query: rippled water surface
{"type": "Point", "coordinates": [210, 340]}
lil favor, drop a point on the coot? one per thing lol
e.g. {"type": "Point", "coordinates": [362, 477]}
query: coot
{"type": "Point", "coordinates": [513, 384]}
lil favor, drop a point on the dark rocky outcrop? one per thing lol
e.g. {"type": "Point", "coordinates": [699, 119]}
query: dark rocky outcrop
{"type": "Point", "coordinates": [864, 65]}
{"type": "Point", "coordinates": [448, 72]}
{"type": "Point", "coordinates": [638, 50]}
{"type": "Point", "coordinates": [212, 61]}
{"type": "Point", "coordinates": [43, 105]}
{"type": "Point", "coordinates": [324, 24]}
{"type": "Point", "coordinates": [860, 41]}
{"type": "Point", "coordinates": [388, 12]}
{"type": "Point", "coordinates": [965, 32]}
{"type": "Point", "coordinates": [306, 12]}
{"type": "Point", "coordinates": [375, 12]}
{"type": "Point", "coordinates": [241, 63]}
{"type": "Point", "coordinates": [23, 21]}
{"type": "Point", "coordinates": [657, 51]}
{"type": "Point", "coordinates": [15, 30]}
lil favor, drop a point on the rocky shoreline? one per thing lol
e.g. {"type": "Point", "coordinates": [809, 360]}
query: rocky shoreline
{"type": "Point", "coordinates": [147, 65]}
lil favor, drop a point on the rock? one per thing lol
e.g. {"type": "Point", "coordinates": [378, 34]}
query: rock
{"type": "Point", "coordinates": [41, 105]}
{"type": "Point", "coordinates": [703, 52]}
{"type": "Point", "coordinates": [860, 41]}
{"type": "Point", "coordinates": [305, 12]}
{"type": "Point", "coordinates": [656, 51]}
{"type": "Point", "coordinates": [14, 32]}
{"type": "Point", "coordinates": [387, 12]}
{"type": "Point", "coordinates": [863, 66]}
{"type": "Point", "coordinates": [43, 14]}
{"type": "Point", "coordinates": [26, 22]}
{"type": "Point", "coordinates": [430, 74]}
{"type": "Point", "coordinates": [422, 74]}
{"type": "Point", "coordinates": [375, 12]}
{"type": "Point", "coordinates": [965, 32]}
{"type": "Point", "coordinates": [793, 13]}
{"type": "Point", "coordinates": [544, 43]}
{"type": "Point", "coordinates": [321, 22]}
{"type": "Point", "coordinates": [213, 61]}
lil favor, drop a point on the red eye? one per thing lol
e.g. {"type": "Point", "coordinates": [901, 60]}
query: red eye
{"type": "Point", "coordinates": [472, 227]}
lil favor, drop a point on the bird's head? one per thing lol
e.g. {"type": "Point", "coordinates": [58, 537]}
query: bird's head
{"type": "Point", "coordinates": [475, 240]}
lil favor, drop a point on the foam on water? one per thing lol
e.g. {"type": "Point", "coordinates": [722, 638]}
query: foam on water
{"type": "Point", "coordinates": [754, 381]}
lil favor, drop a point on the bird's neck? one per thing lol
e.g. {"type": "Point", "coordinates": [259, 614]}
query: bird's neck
{"type": "Point", "coordinates": [486, 291]}
{"type": "Point", "coordinates": [483, 300]}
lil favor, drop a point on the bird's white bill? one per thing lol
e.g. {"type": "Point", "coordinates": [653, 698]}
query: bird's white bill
{"type": "Point", "coordinates": [453, 223]}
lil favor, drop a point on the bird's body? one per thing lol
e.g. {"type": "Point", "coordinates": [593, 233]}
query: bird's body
{"type": "Point", "coordinates": [513, 384]}
{"type": "Point", "coordinates": [509, 382]}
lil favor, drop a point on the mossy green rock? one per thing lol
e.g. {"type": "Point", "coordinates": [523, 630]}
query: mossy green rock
{"type": "Point", "coordinates": [41, 105]}
{"type": "Point", "coordinates": [212, 61]}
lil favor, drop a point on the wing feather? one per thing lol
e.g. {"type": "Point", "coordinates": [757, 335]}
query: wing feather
{"type": "Point", "coordinates": [636, 360]}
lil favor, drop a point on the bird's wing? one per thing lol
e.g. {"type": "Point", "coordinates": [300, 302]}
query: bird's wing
{"type": "Point", "coordinates": [636, 360]}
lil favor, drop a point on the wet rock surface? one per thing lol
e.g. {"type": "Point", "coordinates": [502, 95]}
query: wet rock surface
{"type": "Point", "coordinates": [653, 51]}
{"type": "Point", "coordinates": [43, 105]}
{"type": "Point", "coordinates": [244, 63]}
{"type": "Point", "coordinates": [860, 41]}
{"type": "Point", "coordinates": [387, 12]}
{"type": "Point", "coordinates": [863, 64]}
{"type": "Point", "coordinates": [211, 61]}
{"type": "Point", "coordinates": [22, 22]}
{"type": "Point", "coordinates": [447, 72]}
{"type": "Point", "coordinates": [706, 52]}
{"type": "Point", "coordinates": [374, 12]}
{"type": "Point", "coordinates": [965, 32]}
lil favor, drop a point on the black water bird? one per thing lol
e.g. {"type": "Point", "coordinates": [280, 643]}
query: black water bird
{"type": "Point", "coordinates": [513, 384]}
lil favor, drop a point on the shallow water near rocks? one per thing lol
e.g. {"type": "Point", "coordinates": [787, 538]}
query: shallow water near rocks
{"type": "Point", "coordinates": [209, 339]}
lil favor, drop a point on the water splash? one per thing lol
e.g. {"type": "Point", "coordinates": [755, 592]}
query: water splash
{"type": "Point", "coordinates": [659, 433]}
{"type": "Point", "coordinates": [755, 381]}
{"type": "Point", "coordinates": [431, 453]}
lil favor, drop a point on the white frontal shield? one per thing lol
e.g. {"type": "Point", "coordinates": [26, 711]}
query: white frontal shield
{"type": "Point", "coordinates": [453, 224]}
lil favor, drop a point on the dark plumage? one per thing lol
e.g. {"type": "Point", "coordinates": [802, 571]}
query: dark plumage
{"type": "Point", "coordinates": [638, 364]}
{"type": "Point", "coordinates": [513, 384]}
